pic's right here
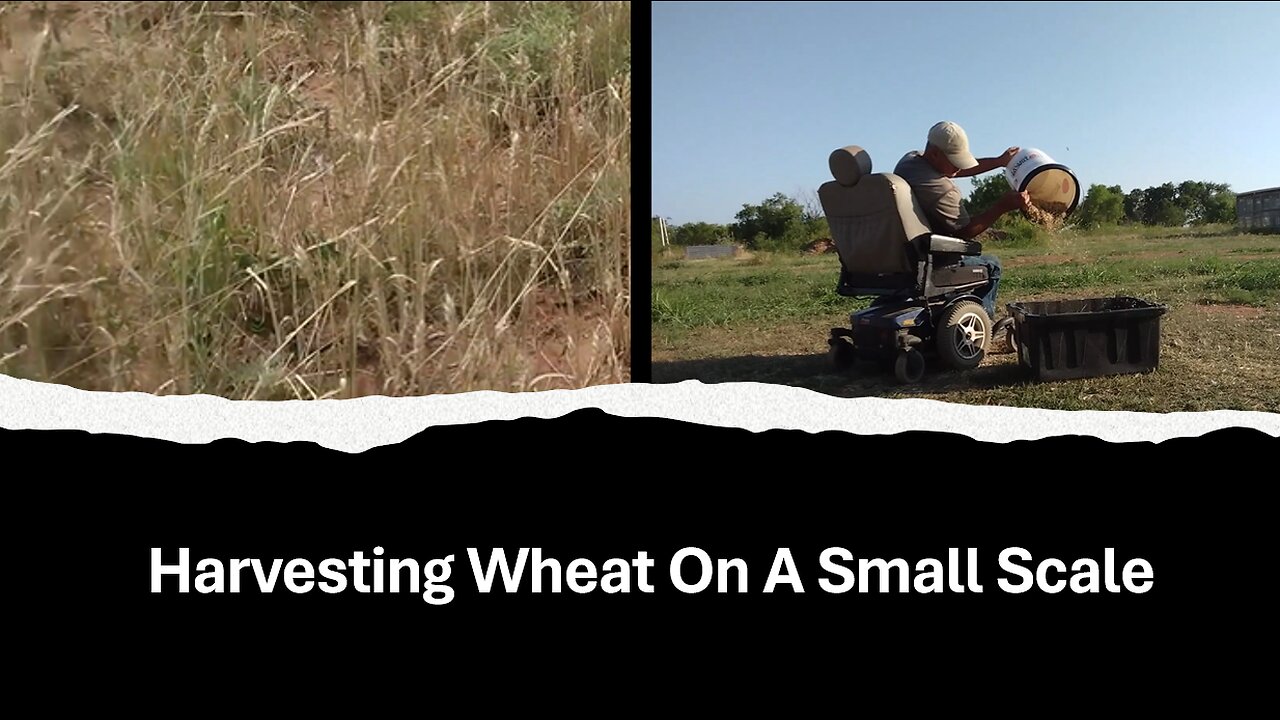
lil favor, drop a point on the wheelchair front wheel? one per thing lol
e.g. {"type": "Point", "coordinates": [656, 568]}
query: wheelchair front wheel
{"type": "Point", "coordinates": [841, 353]}
{"type": "Point", "coordinates": [909, 366]}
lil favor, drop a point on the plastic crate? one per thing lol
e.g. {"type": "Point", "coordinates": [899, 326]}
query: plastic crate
{"type": "Point", "coordinates": [1069, 339]}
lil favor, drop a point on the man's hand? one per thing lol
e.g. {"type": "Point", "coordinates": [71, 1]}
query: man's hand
{"type": "Point", "coordinates": [1016, 201]}
{"type": "Point", "coordinates": [988, 164]}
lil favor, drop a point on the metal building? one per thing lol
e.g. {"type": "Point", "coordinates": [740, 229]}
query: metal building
{"type": "Point", "coordinates": [1259, 209]}
{"type": "Point", "coordinates": [702, 252]}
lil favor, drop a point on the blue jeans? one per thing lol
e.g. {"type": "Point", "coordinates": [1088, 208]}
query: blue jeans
{"type": "Point", "coordinates": [993, 271]}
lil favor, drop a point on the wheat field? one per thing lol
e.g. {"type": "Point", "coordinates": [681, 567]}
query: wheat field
{"type": "Point", "coordinates": [272, 201]}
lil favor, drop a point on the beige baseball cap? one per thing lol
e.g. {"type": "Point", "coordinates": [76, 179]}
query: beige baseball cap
{"type": "Point", "coordinates": [951, 140]}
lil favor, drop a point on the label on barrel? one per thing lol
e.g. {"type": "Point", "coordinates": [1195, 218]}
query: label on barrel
{"type": "Point", "coordinates": [1022, 164]}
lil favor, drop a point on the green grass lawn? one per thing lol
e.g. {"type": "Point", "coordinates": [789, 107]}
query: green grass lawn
{"type": "Point", "coordinates": [765, 318]}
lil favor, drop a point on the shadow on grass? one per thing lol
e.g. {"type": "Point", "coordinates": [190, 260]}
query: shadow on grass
{"type": "Point", "coordinates": [815, 372]}
{"type": "Point", "coordinates": [1174, 234]}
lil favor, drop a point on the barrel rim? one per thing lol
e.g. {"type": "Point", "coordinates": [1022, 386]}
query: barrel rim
{"type": "Point", "coordinates": [1055, 166]}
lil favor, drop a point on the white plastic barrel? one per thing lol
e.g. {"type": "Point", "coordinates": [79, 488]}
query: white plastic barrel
{"type": "Point", "coordinates": [1047, 182]}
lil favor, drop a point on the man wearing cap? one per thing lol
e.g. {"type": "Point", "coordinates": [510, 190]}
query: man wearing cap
{"type": "Point", "coordinates": [947, 156]}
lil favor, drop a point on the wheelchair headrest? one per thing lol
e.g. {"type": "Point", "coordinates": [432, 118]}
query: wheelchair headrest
{"type": "Point", "coordinates": [849, 164]}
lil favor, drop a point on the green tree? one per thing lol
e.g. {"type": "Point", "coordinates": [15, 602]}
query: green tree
{"type": "Point", "coordinates": [1103, 205]}
{"type": "Point", "coordinates": [986, 191]}
{"type": "Point", "coordinates": [779, 219]}
{"type": "Point", "coordinates": [1190, 201]}
{"type": "Point", "coordinates": [815, 222]}
{"type": "Point", "coordinates": [1169, 213]}
{"type": "Point", "coordinates": [1135, 206]}
{"type": "Point", "coordinates": [1221, 207]}
{"type": "Point", "coordinates": [1161, 206]}
{"type": "Point", "coordinates": [1217, 204]}
{"type": "Point", "coordinates": [1192, 197]}
{"type": "Point", "coordinates": [699, 233]}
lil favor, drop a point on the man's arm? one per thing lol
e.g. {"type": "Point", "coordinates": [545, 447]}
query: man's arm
{"type": "Point", "coordinates": [989, 164]}
{"type": "Point", "coordinates": [1008, 203]}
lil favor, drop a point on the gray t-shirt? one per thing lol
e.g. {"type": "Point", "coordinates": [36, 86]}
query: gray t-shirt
{"type": "Point", "coordinates": [938, 195]}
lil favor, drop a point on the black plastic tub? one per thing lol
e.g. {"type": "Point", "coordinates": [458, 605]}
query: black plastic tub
{"type": "Point", "coordinates": [1070, 339]}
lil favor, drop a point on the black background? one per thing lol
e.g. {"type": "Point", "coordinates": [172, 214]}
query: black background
{"type": "Point", "coordinates": [82, 520]}
{"type": "Point", "coordinates": [591, 485]}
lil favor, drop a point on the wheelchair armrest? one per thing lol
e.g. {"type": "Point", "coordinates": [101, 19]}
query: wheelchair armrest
{"type": "Point", "coordinates": [944, 244]}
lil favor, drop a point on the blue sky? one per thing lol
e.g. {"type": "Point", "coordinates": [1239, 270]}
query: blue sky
{"type": "Point", "coordinates": [749, 99]}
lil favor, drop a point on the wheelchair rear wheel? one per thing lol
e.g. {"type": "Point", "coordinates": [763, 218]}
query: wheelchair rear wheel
{"type": "Point", "coordinates": [964, 333]}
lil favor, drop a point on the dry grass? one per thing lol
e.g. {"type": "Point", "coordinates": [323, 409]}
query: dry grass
{"type": "Point", "coordinates": [307, 200]}
{"type": "Point", "coordinates": [729, 320]}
